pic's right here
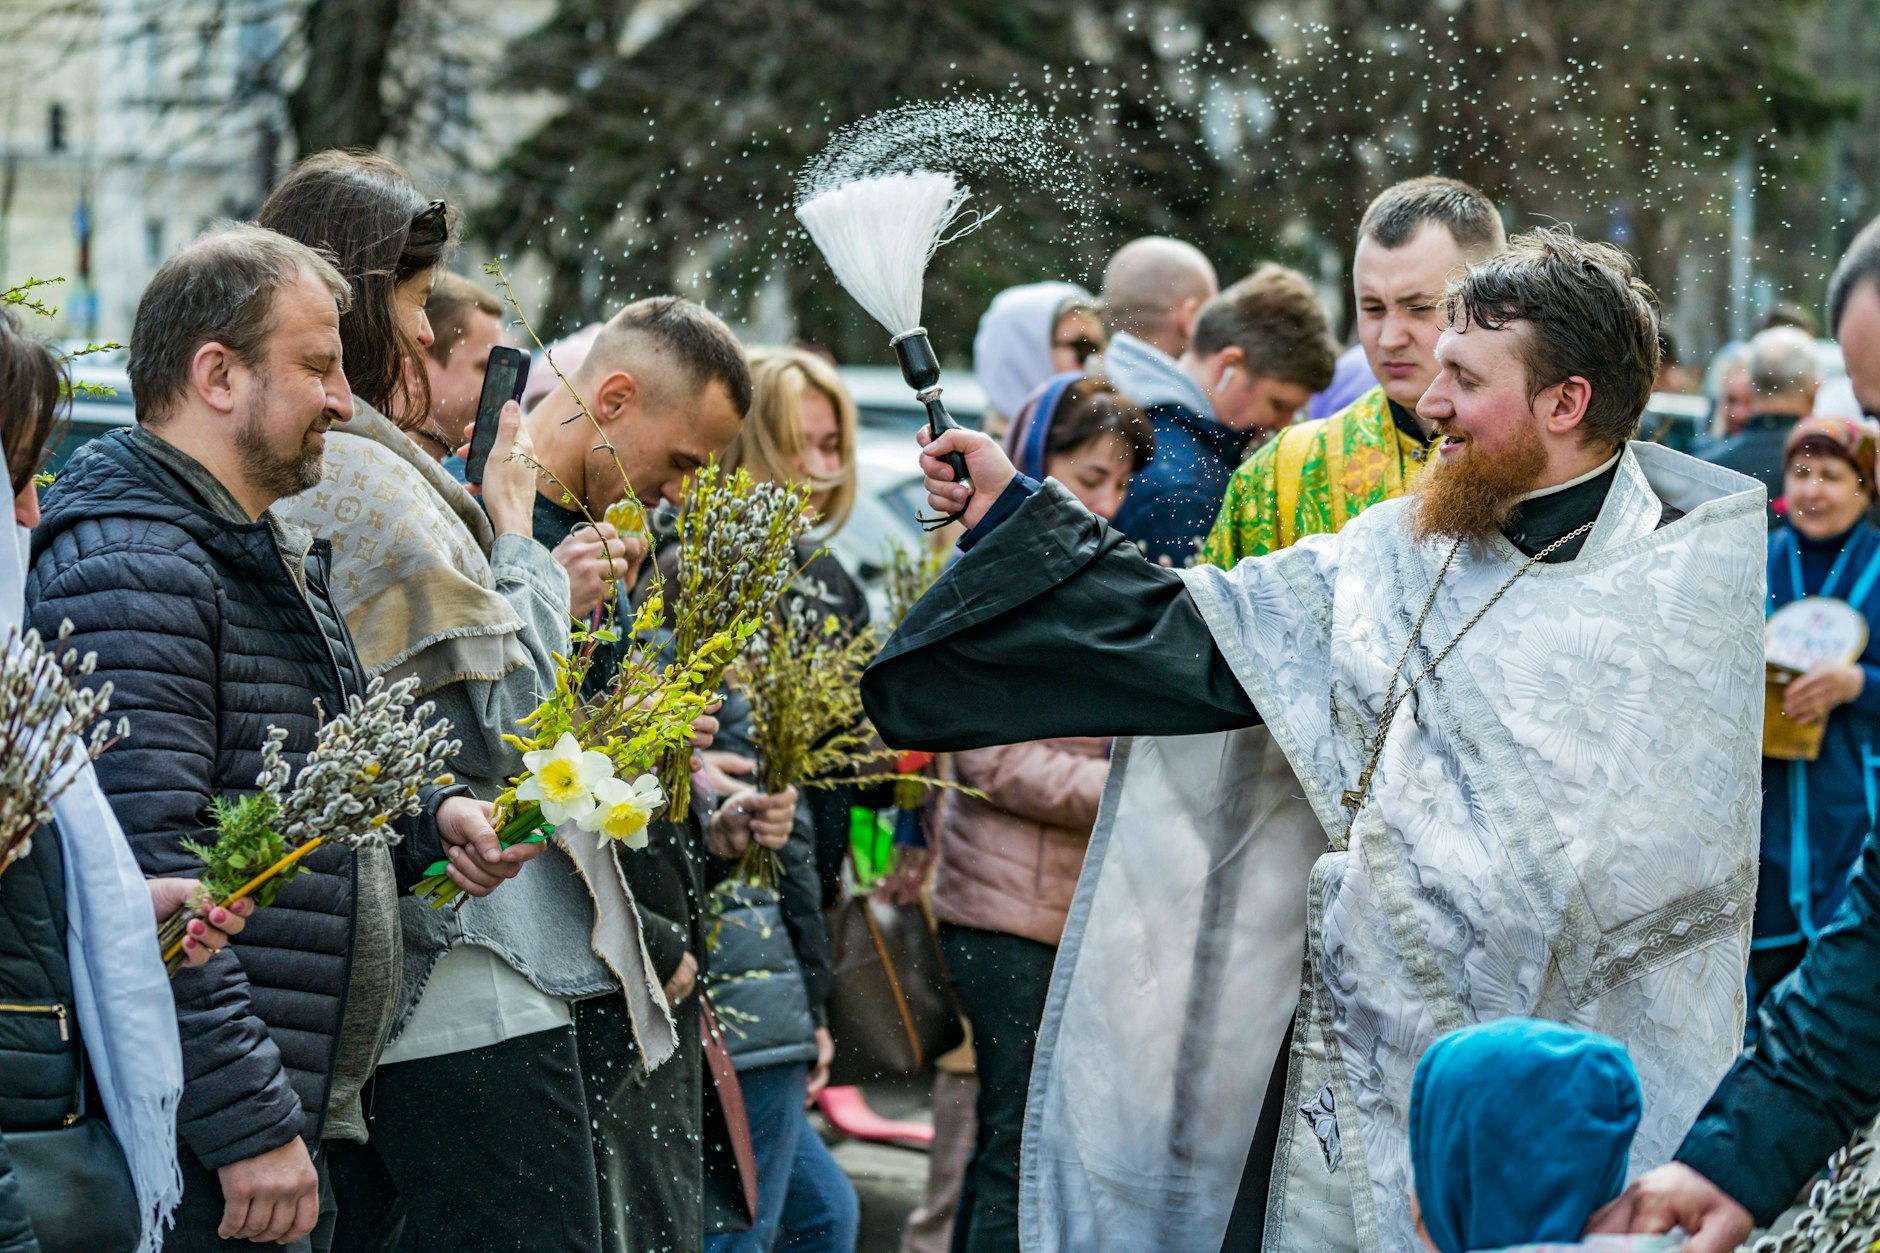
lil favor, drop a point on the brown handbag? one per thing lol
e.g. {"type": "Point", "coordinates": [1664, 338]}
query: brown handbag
{"type": "Point", "coordinates": [891, 1009]}
{"type": "Point", "coordinates": [735, 1126]}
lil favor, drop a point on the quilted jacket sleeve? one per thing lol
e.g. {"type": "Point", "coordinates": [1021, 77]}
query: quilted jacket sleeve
{"type": "Point", "coordinates": [1041, 780]}
{"type": "Point", "coordinates": [1810, 1081]}
{"type": "Point", "coordinates": [150, 614]}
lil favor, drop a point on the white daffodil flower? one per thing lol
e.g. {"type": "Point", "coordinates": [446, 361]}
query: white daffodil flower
{"type": "Point", "coordinates": [624, 809]}
{"type": "Point", "coordinates": [563, 779]}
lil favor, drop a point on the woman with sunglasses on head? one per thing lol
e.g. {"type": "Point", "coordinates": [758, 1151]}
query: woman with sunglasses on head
{"type": "Point", "coordinates": [87, 1022]}
{"type": "Point", "coordinates": [435, 585]}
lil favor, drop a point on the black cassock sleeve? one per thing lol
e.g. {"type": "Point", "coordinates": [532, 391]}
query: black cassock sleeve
{"type": "Point", "coordinates": [1052, 625]}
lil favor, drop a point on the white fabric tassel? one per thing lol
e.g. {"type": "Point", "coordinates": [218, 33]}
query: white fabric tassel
{"type": "Point", "coordinates": [878, 234]}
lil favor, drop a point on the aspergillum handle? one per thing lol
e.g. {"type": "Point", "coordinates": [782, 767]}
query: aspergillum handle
{"type": "Point", "coordinates": [921, 368]}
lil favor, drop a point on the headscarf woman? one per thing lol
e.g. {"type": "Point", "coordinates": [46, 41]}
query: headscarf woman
{"type": "Point", "coordinates": [1027, 334]}
{"type": "Point", "coordinates": [1816, 812]}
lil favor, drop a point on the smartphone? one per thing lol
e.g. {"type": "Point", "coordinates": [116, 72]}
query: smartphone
{"type": "Point", "coordinates": [504, 377]}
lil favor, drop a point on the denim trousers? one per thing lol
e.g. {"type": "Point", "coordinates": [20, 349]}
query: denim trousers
{"type": "Point", "coordinates": [805, 1204]}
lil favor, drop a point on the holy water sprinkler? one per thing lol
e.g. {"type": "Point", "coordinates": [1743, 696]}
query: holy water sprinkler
{"type": "Point", "coordinates": [878, 233]}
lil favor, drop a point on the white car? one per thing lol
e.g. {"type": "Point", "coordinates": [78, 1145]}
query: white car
{"type": "Point", "coordinates": [888, 499]}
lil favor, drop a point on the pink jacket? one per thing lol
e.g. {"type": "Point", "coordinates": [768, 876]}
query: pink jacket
{"type": "Point", "coordinates": [1010, 862]}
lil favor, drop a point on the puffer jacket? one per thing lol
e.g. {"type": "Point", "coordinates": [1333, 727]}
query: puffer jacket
{"type": "Point", "coordinates": [1811, 1080]}
{"type": "Point", "coordinates": [768, 968]}
{"type": "Point", "coordinates": [208, 640]}
{"type": "Point", "coordinates": [767, 964]}
{"type": "Point", "coordinates": [1010, 862]}
{"type": "Point", "coordinates": [39, 1072]}
{"type": "Point", "coordinates": [38, 1020]}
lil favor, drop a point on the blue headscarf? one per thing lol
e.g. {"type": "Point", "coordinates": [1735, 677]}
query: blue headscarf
{"type": "Point", "coordinates": [1519, 1132]}
{"type": "Point", "coordinates": [1025, 439]}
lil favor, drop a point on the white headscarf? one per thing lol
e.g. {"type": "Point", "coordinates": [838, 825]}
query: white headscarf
{"type": "Point", "coordinates": [126, 1013]}
{"type": "Point", "coordinates": [1012, 352]}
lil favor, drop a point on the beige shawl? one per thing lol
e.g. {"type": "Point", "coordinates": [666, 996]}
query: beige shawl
{"type": "Point", "coordinates": [415, 587]}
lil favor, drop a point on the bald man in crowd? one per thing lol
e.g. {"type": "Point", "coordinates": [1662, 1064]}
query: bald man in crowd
{"type": "Point", "coordinates": [1784, 375]}
{"type": "Point", "coordinates": [1154, 290]}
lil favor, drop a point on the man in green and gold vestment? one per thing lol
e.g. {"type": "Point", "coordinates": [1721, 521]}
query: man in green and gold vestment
{"type": "Point", "coordinates": [1314, 477]}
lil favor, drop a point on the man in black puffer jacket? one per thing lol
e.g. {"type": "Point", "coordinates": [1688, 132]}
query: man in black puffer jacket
{"type": "Point", "coordinates": [213, 623]}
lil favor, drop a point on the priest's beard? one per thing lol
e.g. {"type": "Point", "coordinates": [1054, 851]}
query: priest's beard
{"type": "Point", "coordinates": [268, 471]}
{"type": "Point", "coordinates": [1471, 494]}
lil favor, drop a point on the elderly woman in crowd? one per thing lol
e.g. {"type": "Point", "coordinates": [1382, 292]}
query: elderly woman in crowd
{"type": "Point", "coordinates": [1816, 812]}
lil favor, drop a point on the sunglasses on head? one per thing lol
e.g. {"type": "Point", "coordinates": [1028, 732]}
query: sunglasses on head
{"type": "Point", "coordinates": [430, 225]}
{"type": "Point", "coordinates": [426, 237]}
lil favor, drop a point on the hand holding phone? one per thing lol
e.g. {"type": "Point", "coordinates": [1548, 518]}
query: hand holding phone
{"type": "Point", "coordinates": [503, 380]}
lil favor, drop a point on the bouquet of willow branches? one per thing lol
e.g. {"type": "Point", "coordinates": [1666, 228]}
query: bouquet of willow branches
{"type": "Point", "coordinates": [804, 681]}
{"type": "Point", "coordinates": [905, 579]}
{"type": "Point", "coordinates": [589, 762]}
{"type": "Point", "coordinates": [737, 554]}
{"type": "Point", "coordinates": [366, 769]}
{"type": "Point", "coordinates": [906, 576]}
{"type": "Point", "coordinates": [42, 703]}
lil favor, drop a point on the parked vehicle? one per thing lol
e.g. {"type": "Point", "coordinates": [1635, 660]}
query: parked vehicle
{"type": "Point", "coordinates": [888, 499]}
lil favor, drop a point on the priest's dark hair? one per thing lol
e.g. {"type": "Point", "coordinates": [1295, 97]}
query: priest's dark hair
{"type": "Point", "coordinates": [1860, 264]}
{"type": "Point", "coordinates": [1402, 210]}
{"type": "Point", "coordinates": [1584, 311]}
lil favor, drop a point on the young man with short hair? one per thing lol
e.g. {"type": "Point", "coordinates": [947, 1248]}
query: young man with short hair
{"type": "Point", "coordinates": [1318, 475]}
{"type": "Point", "coordinates": [668, 386]}
{"type": "Point", "coordinates": [466, 323]}
{"type": "Point", "coordinates": [212, 621]}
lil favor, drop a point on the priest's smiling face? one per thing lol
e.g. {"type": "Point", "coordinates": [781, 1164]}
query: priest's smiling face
{"type": "Point", "coordinates": [1492, 437]}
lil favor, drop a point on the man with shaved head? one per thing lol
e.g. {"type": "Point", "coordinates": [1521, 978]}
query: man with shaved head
{"type": "Point", "coordinates": [1153, 290]}
{"type": "Point", "coordinates": [1784, 375]}
{"type": "Point", "coordinates": [666, 387]}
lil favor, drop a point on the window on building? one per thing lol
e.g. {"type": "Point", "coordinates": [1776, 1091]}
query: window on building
{"type": "Point", "coordinates": [55, 127]}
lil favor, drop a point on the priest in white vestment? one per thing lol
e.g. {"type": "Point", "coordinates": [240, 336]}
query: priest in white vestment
{"type": "Point", "coordinates": [1512, 769]}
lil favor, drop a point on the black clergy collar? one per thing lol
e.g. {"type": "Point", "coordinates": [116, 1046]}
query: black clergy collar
{"type": "Point", "coordinates": [1407, 422]}
{"type": "Point", "coordinates": [1553, 512]}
